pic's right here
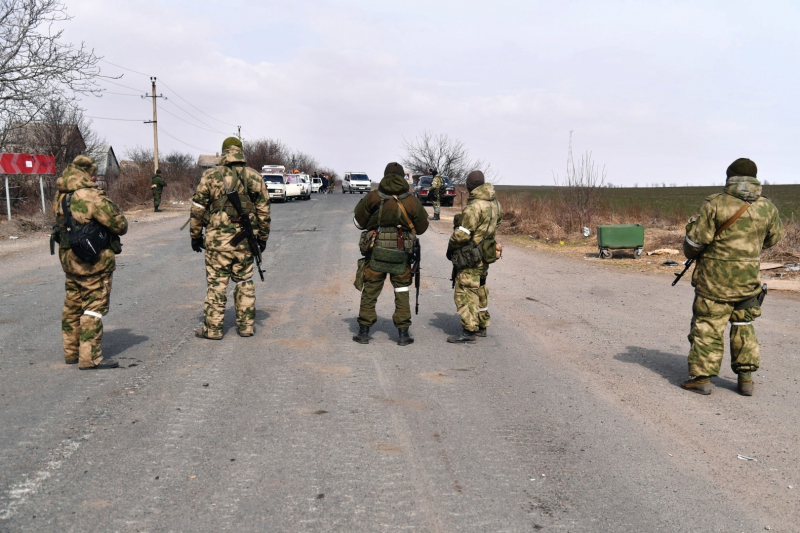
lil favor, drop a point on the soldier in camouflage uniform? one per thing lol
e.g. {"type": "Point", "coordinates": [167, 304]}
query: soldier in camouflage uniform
{"type": "Point", "coordinates": [157, 186]}
{"type": "Point", "coordinates": [437, 186]}
{"type": "Point", "coordinates": [726, 279]}
{"type": "Point", "coordinates": [211, 210]}
{"type": "Point", "coordinates": [88, 285]}
{"type": "Point", "coordinates": [478, 222]}
{"type": "Point", "coordinates": [370, 217]}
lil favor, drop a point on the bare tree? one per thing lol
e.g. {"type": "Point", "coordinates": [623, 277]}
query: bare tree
{"type": "Point", "coordinates": [581, 190]}
{"type": "Point", "coordinates": [449, 156]}
{"type": "Point", "coordinates": [35, 65]}
{"type": "Point", "coordinates": [265, 152]}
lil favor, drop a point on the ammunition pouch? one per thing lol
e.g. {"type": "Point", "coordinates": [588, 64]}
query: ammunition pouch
{"type": "Point", "coordinates": [386, 256]}
{"type": "Point", "coordinates": [367, 242]}
{"type": "Point", "coordinates": [474, 255]}
{"type": "Point", "coordinates": [222, 204]}
{"type": "Point", "coordinates": [360, 273]}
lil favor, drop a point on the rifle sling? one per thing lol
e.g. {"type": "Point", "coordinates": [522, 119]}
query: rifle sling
{"type": "Point", "coordinates": [733, 219]}
{"type": "Point", "coordinates": [405, 214]}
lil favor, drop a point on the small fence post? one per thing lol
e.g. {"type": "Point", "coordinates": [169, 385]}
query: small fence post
{"type": "Point", "coordinates": [8, 200]}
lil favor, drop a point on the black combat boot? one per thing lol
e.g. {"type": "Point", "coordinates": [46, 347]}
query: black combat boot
{"type": "Point", "coordinates": [481, 332]}
{"type": "Point", "coordinates": [404, 337]}
{"type": "Point", "coordinates": [436, 217]}
{"type": "Point", "coordinates": [103, 365]}
{"type": "Point", "coordinates": [363, 335]}
{"type": "Point", "coordinates": [465, 337]}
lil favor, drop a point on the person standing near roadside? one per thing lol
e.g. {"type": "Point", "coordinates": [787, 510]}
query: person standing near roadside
{"type": "Point", "coordinates": [437, 186]}
{"type": "Point", "coordinates": [727, 236]}
{"type": "Point", "coordinates": [391, 218]}
{"type": "Point", "coordinates": [157, 186]}
{"type": "Point", "coordinates": [225, 261]}
{"type": "Point", "coordinates": [472, 248]}
{"type": "Point", "coordinates": [78, 204]}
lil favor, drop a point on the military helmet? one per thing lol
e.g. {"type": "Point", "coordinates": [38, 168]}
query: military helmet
{"type": "Point", "coordinates": [231, 141]}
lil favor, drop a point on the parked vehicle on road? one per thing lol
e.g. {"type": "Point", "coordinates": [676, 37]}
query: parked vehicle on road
{"type": "Point", "coordinates": [298, 186]}
{"type": "Point", "coordinates": [316, 184]}
{"type": "Point", "coordinates": [275, 182]}
{"type": "Point", "coordinates": [422, 191]}
{"type": "Point", "coordinates": [356, 182]}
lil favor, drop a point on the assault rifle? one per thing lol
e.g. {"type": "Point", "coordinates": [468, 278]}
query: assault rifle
{"type": "Point", "coordinates": [416, 257]}
{"type": "Point", "coordinates": [688, 263]}
{"type": "Point", "coordinates": [247, 231]}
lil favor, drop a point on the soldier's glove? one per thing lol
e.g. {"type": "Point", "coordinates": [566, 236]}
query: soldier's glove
{"type": "Point", "coordinates": [197, 244]}
{"type": "Point", "coordinates": [262, 245]}
{"type": "Point", "coordinates": [449, 254]}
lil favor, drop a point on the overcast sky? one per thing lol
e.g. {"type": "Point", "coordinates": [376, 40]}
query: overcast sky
{"type": "Point", "coordinates": [660, 91]}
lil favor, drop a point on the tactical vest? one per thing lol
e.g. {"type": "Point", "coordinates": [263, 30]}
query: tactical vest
{"type": "Point", "coordinates": [222, 204]}
{"type": "Point", "coordinates": [392, 245]}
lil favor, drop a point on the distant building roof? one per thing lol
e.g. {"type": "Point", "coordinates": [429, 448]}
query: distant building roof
{"type": "Point", "coordinates": [208, 161]}
{"type": "Point", "coordinates": [106, 160]}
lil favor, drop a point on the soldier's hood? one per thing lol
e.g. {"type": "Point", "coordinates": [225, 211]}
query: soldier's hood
{"type": "Point", "coordinates": [233, 155]}
{"type": "Point", "coordinates": [393, 184]}
{"type": "Point", "coordinates": [482, 192]}
{"type": "Point", "coordinates": [74, 178]}
{"type": "Point", "coordinates": [745, 188]}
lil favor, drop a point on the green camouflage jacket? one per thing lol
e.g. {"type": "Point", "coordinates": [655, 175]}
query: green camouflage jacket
{"type": "Point", "coordinates": [366, 211]}
{"type": "Point", "coordinates": [437, 182]}
{"type": "Point", "coordinates": [88, 202]}
{"type": "Point", "coordinates": [479, 219]}
{"type": "Point", "coordinates": [159, 182]}
{"type": "Point", "coordinates": [728, 270]}
{"type": "Point", "coordinates": [210, 194]}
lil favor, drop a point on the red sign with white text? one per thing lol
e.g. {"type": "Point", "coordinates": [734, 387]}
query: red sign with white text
{"type": "Point", "coordinates": [27, 164]}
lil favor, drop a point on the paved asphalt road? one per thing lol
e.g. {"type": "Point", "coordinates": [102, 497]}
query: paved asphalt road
{"type": "Point", "coordinates": [569, 417]}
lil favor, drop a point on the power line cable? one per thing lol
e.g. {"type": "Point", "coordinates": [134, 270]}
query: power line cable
{"type": "Point", "coordinates": [114, 83]}
{"type": "Point", "coordinates": [120, 94]}
{"type": "Point", "coordinates": [189, 123]}
{"type": "Point", "coordinates": [190, 104]}
{"type": "Point", "coordinates": [184, 142]}
{"type": "Point", "coordinates": [124, 68]}
{"type": "Point", "coordinates": [194, 117]}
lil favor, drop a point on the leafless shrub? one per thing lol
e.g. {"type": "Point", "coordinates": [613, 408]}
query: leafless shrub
{"type": "Point", "coordinates": [581, 189]}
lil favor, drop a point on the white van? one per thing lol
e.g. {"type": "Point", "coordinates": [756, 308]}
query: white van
{"type": "Point", "coordinates": [356, 182]}
{"type": "Point", "coordinates": [275, 182]}
{"type": "Point", "coordinates": [298, 186]}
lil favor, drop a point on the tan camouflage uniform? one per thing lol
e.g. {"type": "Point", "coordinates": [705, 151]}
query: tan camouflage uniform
{"type": "Point", "coordinates": [437, 186]}
{"type": "Point", "coordinates": [479, 221]}
{"type": "Point", "coordinates": [88, 285]}
{"type": "Point", "coordinates": [225, 262]}
{"type": "Point", "coordinates": [727, 273]}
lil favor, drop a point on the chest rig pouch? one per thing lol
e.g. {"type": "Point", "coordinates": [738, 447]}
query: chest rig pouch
{"type": "Point", "coordinates": [392, 245]}
{"type": "Point", "coordinates": [222, 204]}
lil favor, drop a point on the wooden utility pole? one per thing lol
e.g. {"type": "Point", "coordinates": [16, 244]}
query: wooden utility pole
{"type": "Point", "coordinates": [154, 122]}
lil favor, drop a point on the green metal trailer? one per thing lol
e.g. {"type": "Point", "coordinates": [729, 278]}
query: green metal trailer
{"type": "Point", "coordinates": [620, 237]}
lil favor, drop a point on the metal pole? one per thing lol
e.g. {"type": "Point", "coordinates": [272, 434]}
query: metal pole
{"type": "Point", "coordinates": [155, 128]}
{"type": "Point", "coordinates": [41, 190]}
{"type": "Point", "coordinates": [8, 200]}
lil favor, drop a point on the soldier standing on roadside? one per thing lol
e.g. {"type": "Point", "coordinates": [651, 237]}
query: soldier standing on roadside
{"type": "Point", "coordinates": [88, 284]}
{"type": "Point", "coordinates": [392, 219]}
{"type": "Point", "coordinates": [437, 186]}
{"type": "Point", "coordinates": [471, 249]}
{"type": "Point", "coordinates": [727, 236]}
{"type": "Point", "coordinates": [212, 210]}
{"type": "Point", "coordinates": [157, 186]}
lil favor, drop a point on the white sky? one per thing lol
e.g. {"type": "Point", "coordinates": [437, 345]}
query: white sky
{"type": "Point", "coordinates": [659, 91]}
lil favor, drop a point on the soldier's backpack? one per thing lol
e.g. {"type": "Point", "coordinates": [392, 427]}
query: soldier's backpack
{"type": "Point", "coordinates": [85, 240]}
{"type": "Point", "coordinates": [391, 248]}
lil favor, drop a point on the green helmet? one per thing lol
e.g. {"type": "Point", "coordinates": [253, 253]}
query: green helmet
{"type": "Point", "coordinates": [231, 141]}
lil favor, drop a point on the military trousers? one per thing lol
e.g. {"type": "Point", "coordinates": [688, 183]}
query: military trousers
{"type": "Point", "coordinates": [222, 267]}
{"type": "Point", "coordinates": [437, 201]}
{"type": "Point", "coordinates": [707, 337]}
{"type": "Point", "coordinates": [472, 298]}
{"type": "Point", "coordinates": [373, 285]}
{"type": "Point", "coordinates": [86, 301]}
{"type": "Point", "coordinates": [156, 197]}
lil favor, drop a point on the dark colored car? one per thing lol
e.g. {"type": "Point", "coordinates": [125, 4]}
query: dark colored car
{"type": "Point", "coordinates": [422, 189]}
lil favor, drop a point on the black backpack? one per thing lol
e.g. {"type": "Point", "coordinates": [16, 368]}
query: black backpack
{"type": "Point", "coordinates": [86, 241]}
